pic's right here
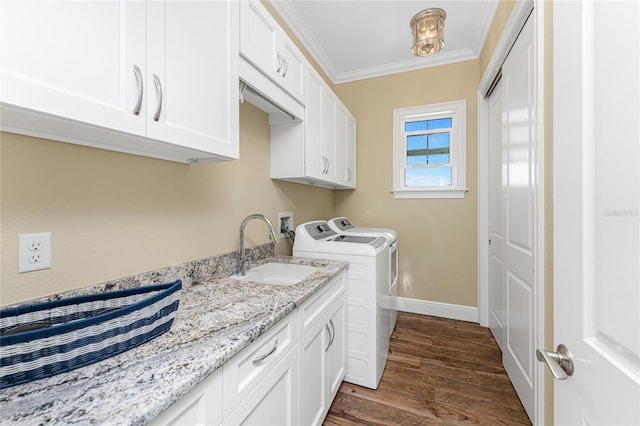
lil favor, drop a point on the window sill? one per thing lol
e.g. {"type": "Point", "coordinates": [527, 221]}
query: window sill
{"type": "Point", "coordinates": [429, 193]}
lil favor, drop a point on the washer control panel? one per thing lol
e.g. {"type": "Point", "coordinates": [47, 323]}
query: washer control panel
{"type": "Point", "coordinates": [319, 230]}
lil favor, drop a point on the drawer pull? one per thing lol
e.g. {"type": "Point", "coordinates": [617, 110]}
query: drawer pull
{"type": "Point", "coordinates": [261, 358]}
{"type": "Point", "coordinates": [333, 332]}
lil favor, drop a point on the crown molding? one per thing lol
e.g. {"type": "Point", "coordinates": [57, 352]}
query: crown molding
{"type": "Point", "coordinates": [441, 58]}
{"type": "Point", "coordinates": [292, 20]}
{"type": "Point", "coordinates": [483, 25]}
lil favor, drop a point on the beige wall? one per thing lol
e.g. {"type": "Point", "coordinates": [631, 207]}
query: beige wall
{"type": "Point", "coordinates": [113, 215]}
{"type": "Point", "coordinates": [438, 253]}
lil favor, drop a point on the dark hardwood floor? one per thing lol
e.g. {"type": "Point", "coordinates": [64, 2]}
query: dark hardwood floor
{"type": "Point", "coordinates": [439, 371]}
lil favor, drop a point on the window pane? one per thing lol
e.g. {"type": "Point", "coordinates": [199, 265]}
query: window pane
{"type": "Point", "coordinates": [412, 126]}
{"type": "Point", "coordinates": [433, 176]}
{"type": "Point", "coordinates": [416, 150]}
{"type": "Point", "coordinates": [441, 123]}
{"type": "Point", "coordinates": [438, 149]}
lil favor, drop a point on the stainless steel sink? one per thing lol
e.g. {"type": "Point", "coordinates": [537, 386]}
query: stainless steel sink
{"type": "Point", "coordinates": [277, 273]}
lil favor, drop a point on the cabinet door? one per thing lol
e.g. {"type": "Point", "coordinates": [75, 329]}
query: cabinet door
{"type": "Point", "coordinates": [312, 377]}
{"type": "Point", "coordinates": [258, 37]}
{"type": "Point", "coordinates": [274, 401]}
{"type": "Point", "coordinates": [341, 144]}
{"type": "Point", "coordinates": [313, 161]}
{"type": "Point", "coordinates": [192, 75]}
{"type": "Point", "coordinates": [291, 75]}
{"type": "Point", "coordinates": [75, 59]}
{"type": "Point", "coordinates": [351, 151]}
{"type": "Point", "coordinates": [329, 105]}
{"type": "Point", "coordinates": [335, 350]}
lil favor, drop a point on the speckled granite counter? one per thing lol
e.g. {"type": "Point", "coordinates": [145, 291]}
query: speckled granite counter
{"type": "Point", "coordinates": [217, 318]}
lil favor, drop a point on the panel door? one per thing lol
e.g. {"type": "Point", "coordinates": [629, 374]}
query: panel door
{"type": "Point", "coordinates": [596, 205]}
{"type": "Point", "coordinates": [291, 75]}
{"type": "Point", "coordinates": [314, 131]}
{"type": "Point", "coordinates": [497, 289]}
{"type": "Point", "coordinates": [351, 151]}
{"type": "Point", "coordinates": [341, 144]}
{"type": "Point", "coordinates": [518, 215]}
{"type": "Point", "coordinates": [193, 75]}
{"type": "Point", "coordinates": [258, 37]}
{"type": "Point", "coordinates": [311, 349]}
{"type": "Point", "coordinates": [329, 144]}
{"type": "Point", "coordinates": [335, 350]}
{"type": "Point", "coordinates": [85, 68]}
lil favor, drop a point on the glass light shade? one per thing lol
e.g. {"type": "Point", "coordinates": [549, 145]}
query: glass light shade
{"type": "Point", "coordinates": [427, 30]}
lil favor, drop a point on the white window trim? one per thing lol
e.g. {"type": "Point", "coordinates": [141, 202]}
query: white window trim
{"type": "Point", "coordinates": [458, 111]}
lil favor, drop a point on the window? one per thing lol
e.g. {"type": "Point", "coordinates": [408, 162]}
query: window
{"type": "Point", "coordinates": [429, 147]}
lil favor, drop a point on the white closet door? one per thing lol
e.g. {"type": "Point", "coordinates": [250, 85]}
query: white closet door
{"type": "Point", "coordinates": [497, 288]}
{"type": "Point", "coordinates": [518, 215]}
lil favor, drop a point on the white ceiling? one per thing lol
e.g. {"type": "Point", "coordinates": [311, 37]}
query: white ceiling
{"type": "Point", "coordinates": [358, 39]}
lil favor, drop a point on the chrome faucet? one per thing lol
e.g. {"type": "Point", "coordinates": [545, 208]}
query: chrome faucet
{"type": "Point", "coordinates": [242, 264]}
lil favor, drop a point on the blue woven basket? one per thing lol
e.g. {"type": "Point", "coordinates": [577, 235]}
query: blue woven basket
{"type": "Point", "coordinates": [38, 341]}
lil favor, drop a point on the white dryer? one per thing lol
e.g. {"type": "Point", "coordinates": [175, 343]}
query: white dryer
{"type": "Point", "coordinates": [343, 225]}
{"type": "Point", "coordinates": [367, 319]}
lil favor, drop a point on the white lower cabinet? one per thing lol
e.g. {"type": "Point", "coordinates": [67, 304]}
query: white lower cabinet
{"type": "Point", "coordinates": [288, 376]}
{"type": "Point", "coordinates": [201, 406]}
{"type": "Point", "coordinates": [321, 354]}
{"type": "Point", "coordinates": [274, 401]}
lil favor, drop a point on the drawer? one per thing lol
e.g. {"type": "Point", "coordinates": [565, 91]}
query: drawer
{"type": "Point", "coordinates": [314, 308]}
{"type": "Point", "coordinates": [242, 373]}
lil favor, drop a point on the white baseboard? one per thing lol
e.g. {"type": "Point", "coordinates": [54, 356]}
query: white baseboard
{"type": "Point", "coordinates": [438, 309]}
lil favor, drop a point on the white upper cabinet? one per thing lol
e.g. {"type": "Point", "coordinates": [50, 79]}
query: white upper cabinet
{"type": "Point", "coordinates": [77, 60]}
{"type": "Point", "coordinates": [264, 44]}
{"type": "Point", "coordinates": [192, 74]}
{"type": "Point", "coordinates": [321, 150]}
{"type": "Point", "coordinates": [156, 78]}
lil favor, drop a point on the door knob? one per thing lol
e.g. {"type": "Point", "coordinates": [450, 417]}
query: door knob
{"type": "Point", "coordinates": [559, 362]}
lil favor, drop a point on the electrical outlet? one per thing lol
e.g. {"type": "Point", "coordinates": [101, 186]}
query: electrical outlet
{"type": "Point", "coordinates": [34, 252]}
{"type": "Point", "coordinates": [285, 223]}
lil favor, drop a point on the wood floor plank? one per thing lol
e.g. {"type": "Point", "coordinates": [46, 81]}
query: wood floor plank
{"type": "Point", "coordinates": [439, 372]}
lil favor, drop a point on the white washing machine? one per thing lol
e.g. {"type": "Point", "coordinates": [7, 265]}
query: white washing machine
{"type": "Point", "coordinates": [343, 225]}
{"type": "Point", "coordinates": [367, 317]}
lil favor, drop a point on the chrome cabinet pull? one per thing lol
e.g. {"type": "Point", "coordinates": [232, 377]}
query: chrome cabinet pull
{"type": "Point", "coordinates": [261, 358]}
{"type": "Point", "coordinates": [279, 63]}
{"type": "Point", "coordinates": [330, 337]}
{"type": "Point", "coordinates": [156, 81]}
{"type": "Point", "coordinates": [559, 362]}
{"type": "Point", "coordinates": [286, 68]}
{"type": "Point", "coordinates": [333, 333]}
{"type": "Point", "coordinates": [138, 74]}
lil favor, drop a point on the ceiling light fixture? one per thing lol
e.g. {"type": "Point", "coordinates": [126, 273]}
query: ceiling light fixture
{"type": "Point", "coordinates": [427, 31]}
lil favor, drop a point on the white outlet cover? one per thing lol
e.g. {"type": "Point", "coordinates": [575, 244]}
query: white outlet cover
{"type": "Point", "coordinates": [30, 259]}
{"type": "Point", "coordinates": [289, 216]}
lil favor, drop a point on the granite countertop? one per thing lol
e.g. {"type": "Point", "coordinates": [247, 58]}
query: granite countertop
{"type": "Point", "coordinates": [216, 318]}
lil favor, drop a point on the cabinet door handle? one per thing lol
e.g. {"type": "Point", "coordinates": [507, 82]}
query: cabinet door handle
{"type": "Point", "coordinates": [324, 165]}
{"type": "Point", "coordinates": [262, 357]}
{"type": "Point", "coordinates": [333, 332]}
{"type": "Point", "coordinates": [279, 63]}
{"type": "Point", "coordinates": [330, 337]}
{"type": "Point", "coordinates": [156, 81]}
{"type": "Point", "coordinates": [138, 74]}
{"type": "Point", "coordinates": [328, 166]}
{"type": "Point", "coordinates": [286, 68]}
